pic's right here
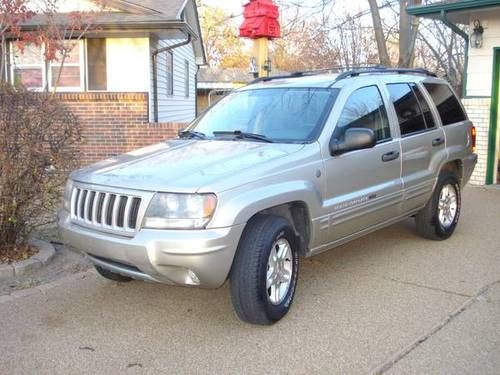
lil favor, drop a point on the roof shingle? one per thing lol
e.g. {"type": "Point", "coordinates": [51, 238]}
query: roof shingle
{"type": "Point", "coordinates": [169, 9]}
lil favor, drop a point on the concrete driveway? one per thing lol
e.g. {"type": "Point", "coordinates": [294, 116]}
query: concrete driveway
{"type": "Point", "coordinates": [390, 302]}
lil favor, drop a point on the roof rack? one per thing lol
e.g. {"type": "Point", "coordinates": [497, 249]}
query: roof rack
{"type": "Point", "coordinates": [385, 70]}
{"type": "Point", "coordinates": [349, 71]}
{"type": "Point", "coordinates": [305, 73]}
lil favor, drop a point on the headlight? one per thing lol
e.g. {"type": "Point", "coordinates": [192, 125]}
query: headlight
{"type": "Point", "coordinates": [68, 189]}
{"type": "Point", "coordinates": [180, 211]}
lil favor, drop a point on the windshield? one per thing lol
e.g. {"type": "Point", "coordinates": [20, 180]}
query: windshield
{"type": "Point", "coordinates": [279, 114]}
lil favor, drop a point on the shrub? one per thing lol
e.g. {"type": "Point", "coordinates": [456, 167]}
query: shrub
{"type": "Point", "coordinates": [37, 138]}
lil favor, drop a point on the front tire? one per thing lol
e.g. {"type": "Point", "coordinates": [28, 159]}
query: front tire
{"type": "Point", "coordinates": [265, 270]}
{"type": "Point", "coordinates": [438, 220]}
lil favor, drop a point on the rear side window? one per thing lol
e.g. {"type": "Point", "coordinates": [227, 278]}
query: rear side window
{"type": "Point", "coordinates": [448, 106]}
{"type": "Point", "coordinates": [424, 106]}
{"type": "Point", "coordinates": [365, 109]}
{"type": "Point", "coordinates": [409, 111]}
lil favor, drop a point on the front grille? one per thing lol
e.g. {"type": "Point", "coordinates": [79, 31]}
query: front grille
{"type": "Point", "coordinates": [105, 211]}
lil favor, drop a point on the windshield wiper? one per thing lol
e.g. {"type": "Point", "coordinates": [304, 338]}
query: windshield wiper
{"type": "Point", "coordinates": [191, 134]}
{"type": "Point", "coordinates": [244, 135]}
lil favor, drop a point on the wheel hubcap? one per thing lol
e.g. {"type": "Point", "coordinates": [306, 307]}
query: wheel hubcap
{"type": "Point", "coordinates": [279, 271]}
{"type": "Point", "coordinates": [447, 205]}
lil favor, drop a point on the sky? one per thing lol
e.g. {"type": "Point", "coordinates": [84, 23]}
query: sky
{"type": "Point", "coordinates": [232, 6]}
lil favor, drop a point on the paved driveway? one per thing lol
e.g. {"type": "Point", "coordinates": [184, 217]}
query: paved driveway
{"type": "Point", "coordinates": [390, 302]}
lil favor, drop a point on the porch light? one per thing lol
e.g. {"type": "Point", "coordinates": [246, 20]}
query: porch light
{"type": "Point", "coordinates": [476, 39]}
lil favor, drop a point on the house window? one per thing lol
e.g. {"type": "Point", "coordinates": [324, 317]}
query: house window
{"type": "Point", "coordinates": [186, 78]}
{"type": "Point", "coordinates": [28, 66]}
{"type": "Point", "coordinates": [70, 78]}
{"type": "Point", "coordinates": [169, 63]}
{"type": "Point", "coordinates": [96, 64]}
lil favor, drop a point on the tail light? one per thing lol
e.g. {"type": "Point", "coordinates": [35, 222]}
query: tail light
{"type": "Point", "coordinates": [473, 137]}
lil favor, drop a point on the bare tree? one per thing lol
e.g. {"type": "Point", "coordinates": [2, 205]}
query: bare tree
{"type": "Point", "coordinates": [408, 31]}
{"type": "Point", "coordinates": [440, 50]}
{"type": "Point", "coordinates": [223, 46]}
{"type": "Point", "coordinates": [12, 14]}
{"type": "Point", "coordinates": [315, 35]}
{"type": "Point", "coordinates": [379, 34]}
{"type": "Point", "coordinates": [355, 44]}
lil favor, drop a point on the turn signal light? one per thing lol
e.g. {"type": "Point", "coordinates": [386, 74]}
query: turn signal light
{"type": "Point", "coordinates": [473, 138]}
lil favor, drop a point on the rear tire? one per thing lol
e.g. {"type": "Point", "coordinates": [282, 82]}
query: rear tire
{"type": "Point", "coordinates": [439, 218]}
{"type": "Point", "coordinates": [265, 270]}
{"type": "Point", "coordinates": [111, 275]}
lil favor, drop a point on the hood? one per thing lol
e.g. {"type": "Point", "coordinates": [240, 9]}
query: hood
{"type": "Point", "coordinates": [184, 165]}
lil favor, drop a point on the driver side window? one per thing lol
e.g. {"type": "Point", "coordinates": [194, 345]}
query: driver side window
{"type": "Point", "coordinates": [365, 109]}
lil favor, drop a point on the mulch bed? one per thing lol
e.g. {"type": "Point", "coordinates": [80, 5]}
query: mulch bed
{"type": "Point", "coordinates": [17, 254]}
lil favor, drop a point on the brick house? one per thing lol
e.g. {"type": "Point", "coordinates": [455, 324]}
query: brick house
{"type": "Point", "coordinates": [133, 82]}
{"type": "Point", "coordinates": [482, 73]}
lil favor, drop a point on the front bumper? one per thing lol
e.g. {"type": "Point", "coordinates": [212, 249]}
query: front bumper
{"type": "Point", "coordinates": [167, 256]}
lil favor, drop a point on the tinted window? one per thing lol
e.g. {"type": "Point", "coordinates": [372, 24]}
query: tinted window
{"type": "Point", "coordinates": [407, 108]}
{"type": "Point", "coordinates": [365, 109]}
{"type": "Point", "coordinates": [446, 102]}
{"type": "Point", "coordinates": [424, 106]}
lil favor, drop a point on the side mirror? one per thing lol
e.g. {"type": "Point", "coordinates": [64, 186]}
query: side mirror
{"type": "Point", "coordinates": [354, 139]}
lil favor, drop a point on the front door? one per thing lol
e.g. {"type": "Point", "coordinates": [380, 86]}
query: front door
{"type": "Point", "coordinates": [364, 186]}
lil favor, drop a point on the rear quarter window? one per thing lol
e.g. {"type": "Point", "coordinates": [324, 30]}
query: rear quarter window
{"type": "Point", "coordinates": [447, 104]}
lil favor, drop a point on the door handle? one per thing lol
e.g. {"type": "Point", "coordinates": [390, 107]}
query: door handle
{"type": "Point", "coordinates": [437, 142]}
{"type": "Point", "coordinates": [393, 155]}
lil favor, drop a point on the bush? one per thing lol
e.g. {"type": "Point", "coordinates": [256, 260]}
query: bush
{"type": "Point", "coordinates": [37, 138]}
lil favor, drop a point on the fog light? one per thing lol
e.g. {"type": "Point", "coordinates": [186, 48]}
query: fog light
{"type": "Point", "coordinates": [191, 278]}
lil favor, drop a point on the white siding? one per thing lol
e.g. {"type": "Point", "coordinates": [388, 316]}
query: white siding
{"type": "Point", "coordinates": [178, 107]}
{"type": "Point", "coordinates": [128, 67]}
{"type": "Point", "coordinates": [480, 68]}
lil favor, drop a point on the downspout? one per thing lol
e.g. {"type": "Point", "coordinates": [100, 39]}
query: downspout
{"type": "Point", "coordinates": [464, 35]}
{"type": "Point", "coordinates": [196, 91]}
{"type": "Point", "coordinates": [154, 59]}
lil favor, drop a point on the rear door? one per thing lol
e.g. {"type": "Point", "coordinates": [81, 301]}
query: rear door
{"type": "Point", "coordinates": [423, 143]}
{"type": "Point", "coordinates": [363, 187]}
{"type": "Point", "coordinates": [452, 115]}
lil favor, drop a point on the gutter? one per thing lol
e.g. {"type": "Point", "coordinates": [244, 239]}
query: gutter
{"type": "Point", "coordinates": [435, 9]}
{"type": "Point", "coordinates": [154, 59]}
{"type": "Point", "coordinates": [465, 36]}
{"type": "Point", "coordinates": [452, 26]}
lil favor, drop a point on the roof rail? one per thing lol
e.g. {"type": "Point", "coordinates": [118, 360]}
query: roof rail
{"type": "Point", "coordinates": [330, 70]}
{"type": "Point", "coordinates": [385, 70]}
